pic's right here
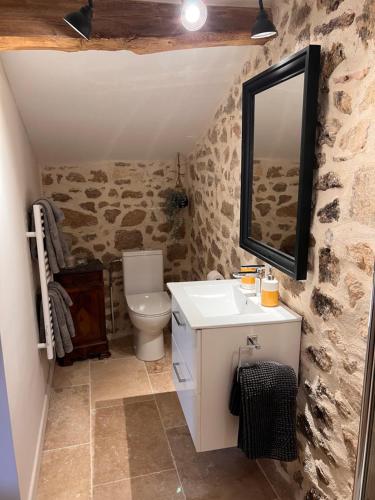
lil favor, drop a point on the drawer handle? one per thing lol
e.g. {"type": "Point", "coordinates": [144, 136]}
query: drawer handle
{"type": "Point", "coordinates": [176, 315]}
{"type": "Point", "coordinates": [175, 367]}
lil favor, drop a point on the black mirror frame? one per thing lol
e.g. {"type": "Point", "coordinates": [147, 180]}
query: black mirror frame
{"type": "Point", "coordinates": [306, 61]}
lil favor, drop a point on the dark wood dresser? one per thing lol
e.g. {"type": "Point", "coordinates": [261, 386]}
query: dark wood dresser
{"type": "Point", "coordinates": [85, 285]}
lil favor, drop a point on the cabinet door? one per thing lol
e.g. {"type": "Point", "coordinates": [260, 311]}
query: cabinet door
{"type": "Point", "coordinates": [186, 339]}
{"type": "Point", "coordinates": [278, 342]}
{"type": "Point", "coordinates": [88, 314]}
{"type": "Point", "coordinates": [187, 393]}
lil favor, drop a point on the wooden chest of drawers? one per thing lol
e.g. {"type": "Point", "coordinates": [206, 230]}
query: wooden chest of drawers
{"type": "Point", "coordinates": [85, 285]}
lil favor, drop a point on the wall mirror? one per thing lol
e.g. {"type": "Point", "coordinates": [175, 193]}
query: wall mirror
{"type": "Point", "coordinates": [278, 143]}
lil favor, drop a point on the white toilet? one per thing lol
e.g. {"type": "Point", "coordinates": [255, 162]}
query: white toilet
{"type": "Point", "coordinates": [149, 306]}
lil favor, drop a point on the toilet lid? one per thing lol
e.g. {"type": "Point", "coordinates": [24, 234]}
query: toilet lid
{"type": "Point", "coordinates": [149, 304]}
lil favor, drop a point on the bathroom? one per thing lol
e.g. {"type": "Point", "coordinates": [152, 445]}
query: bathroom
{"type": "Point", "coordinates": [108, 136]}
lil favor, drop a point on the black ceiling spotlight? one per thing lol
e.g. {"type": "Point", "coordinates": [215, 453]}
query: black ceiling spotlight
{"type": "Point", "coordinates": [263, 27]}
{"type": "Point", "coordinates": [80, 20]}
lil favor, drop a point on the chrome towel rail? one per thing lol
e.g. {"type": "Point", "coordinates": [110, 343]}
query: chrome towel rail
{"type": "Point", "coordinates": [251, 343]}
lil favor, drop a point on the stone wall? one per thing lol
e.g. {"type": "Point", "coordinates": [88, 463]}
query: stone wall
{"type": "Point", "coordinates": [334, 300]}
{"type": "Point", "coordinates": [115, 206]}
{"type": "Point", "coordinates": [275, 195]}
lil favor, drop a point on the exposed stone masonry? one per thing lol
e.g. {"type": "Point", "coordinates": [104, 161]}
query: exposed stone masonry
{"type": "Point", "coordinates": [334, 300]}
{"type": "Point", "coordinates": [115, 206]}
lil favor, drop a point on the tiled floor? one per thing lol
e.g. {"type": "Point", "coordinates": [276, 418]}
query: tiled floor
{"type": "Point", "coordinates": [115, 431]}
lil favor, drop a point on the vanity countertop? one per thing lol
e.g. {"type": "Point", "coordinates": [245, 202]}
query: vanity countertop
{"type": "Point", "coordinates": [222, 303]}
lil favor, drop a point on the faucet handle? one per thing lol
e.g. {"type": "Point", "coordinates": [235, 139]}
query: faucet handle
{"type": "Point", "coordinates": [262, 272]}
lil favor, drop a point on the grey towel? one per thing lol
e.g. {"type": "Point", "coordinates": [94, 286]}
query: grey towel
{"type": "Point", "coordinates": [55, 244]}
{"type": "Point", "coordinates": [67, 302]}
{"type": "Point", "coordinates": [63, 326]}
{"type": "Point", "coordinates": [264, 397]}
{"type": "Point", "coordinates": [62, 312]}
{"type": "Point", "coordinates": [58, 336]}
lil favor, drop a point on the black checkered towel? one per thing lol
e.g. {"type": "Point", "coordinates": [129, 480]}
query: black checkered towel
{"type": "Point", "coordinates": [264, 397]}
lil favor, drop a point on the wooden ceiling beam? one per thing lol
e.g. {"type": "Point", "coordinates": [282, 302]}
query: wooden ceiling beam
{"type": "Point", "coordinates": [139, 26]}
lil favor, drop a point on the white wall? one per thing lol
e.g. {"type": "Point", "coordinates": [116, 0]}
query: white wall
{"type": "Point", "coordinates": [26, 369]}
{"type": "Point", "coordinates": [8, 471]}
{"type": "Point", "coordinates": [168, 97]}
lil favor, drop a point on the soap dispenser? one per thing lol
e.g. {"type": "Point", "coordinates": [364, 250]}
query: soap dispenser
{"type": "Point", "coordinates": [270, 291]}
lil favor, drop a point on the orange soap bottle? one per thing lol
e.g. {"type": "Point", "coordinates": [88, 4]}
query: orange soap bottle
{"type": "Point", "coordinates": [270, 291]}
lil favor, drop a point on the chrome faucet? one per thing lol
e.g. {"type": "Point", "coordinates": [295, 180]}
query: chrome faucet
{"type": "Point", "coordinates": [257, 270]}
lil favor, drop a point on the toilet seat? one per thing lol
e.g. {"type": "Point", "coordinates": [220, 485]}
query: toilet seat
{"type": "Point", "coordinates": [149, 305]}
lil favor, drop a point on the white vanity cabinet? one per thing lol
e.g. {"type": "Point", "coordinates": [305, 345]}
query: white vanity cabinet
{"type": "Point", "coordinates": [204, 361]}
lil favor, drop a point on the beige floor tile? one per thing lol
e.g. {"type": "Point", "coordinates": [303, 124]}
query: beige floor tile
{"type": "Point", "coordinates": [162, 382]}
{"type": "Point", "coordinates": [111, 459]}
{"type": "Point", "coordinates": [118, 378]}
{"type": "Point", "coordinates": [124, 401]}
{"type": "Point", "coordinates": [159, 486]}
{"type": "Point", "coordinates": [65, 474]}
{"type": "Point", "coordinates": [165, 363]}
{"type": "Point", "coordinates": [219, 475]}
{"type": "Point", "coordinates": [108, 403]}
{"type": "Point", "coordinates": [122, 347]}
{"type": "Point", "coordinates": [170, 409]}
{"type": "Point", "coordinates": [109, 421]}
{"type": "Point", "coordinates": [129, 441]}
{"type": "Point", "coordinates": [68, 421]}
{"type": "Point", "coordinates": [111, 454]}
{"type": "Point", "coordinates": [76, 374]}
{"type": "Point", "coordinates": [148, 446]}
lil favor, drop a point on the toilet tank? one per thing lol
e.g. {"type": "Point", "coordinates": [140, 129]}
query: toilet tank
{"type": "Point", "coordinates": [142, 271]}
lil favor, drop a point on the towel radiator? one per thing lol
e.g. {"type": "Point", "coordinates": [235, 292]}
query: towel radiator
{"type": "Point", "coordinates": [46, 276]}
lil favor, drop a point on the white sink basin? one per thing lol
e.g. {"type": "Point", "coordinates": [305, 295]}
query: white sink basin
{"type": "Point", "coordinates": [211, 304]}
{"type": "Point", "coordinates": [225, 300]}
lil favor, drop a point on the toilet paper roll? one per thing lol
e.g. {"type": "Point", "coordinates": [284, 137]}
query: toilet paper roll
{"type": "Point", "coordinates": [215, 275]}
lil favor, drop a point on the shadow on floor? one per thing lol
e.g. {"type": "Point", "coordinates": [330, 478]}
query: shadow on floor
{"type": "Point", "coordinates": [146, 439]}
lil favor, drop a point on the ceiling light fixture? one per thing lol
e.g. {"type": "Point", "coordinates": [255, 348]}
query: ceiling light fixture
{"type": "Point", "coordinates": [263, 27]}
{"type": "Point", "coordinates": [193, 14]}
{"type": "Point", "coordinates": [80, 20]}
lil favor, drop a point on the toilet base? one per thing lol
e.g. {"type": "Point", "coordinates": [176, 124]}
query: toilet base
{"type": "Point", "coordinates": [149, 346]}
